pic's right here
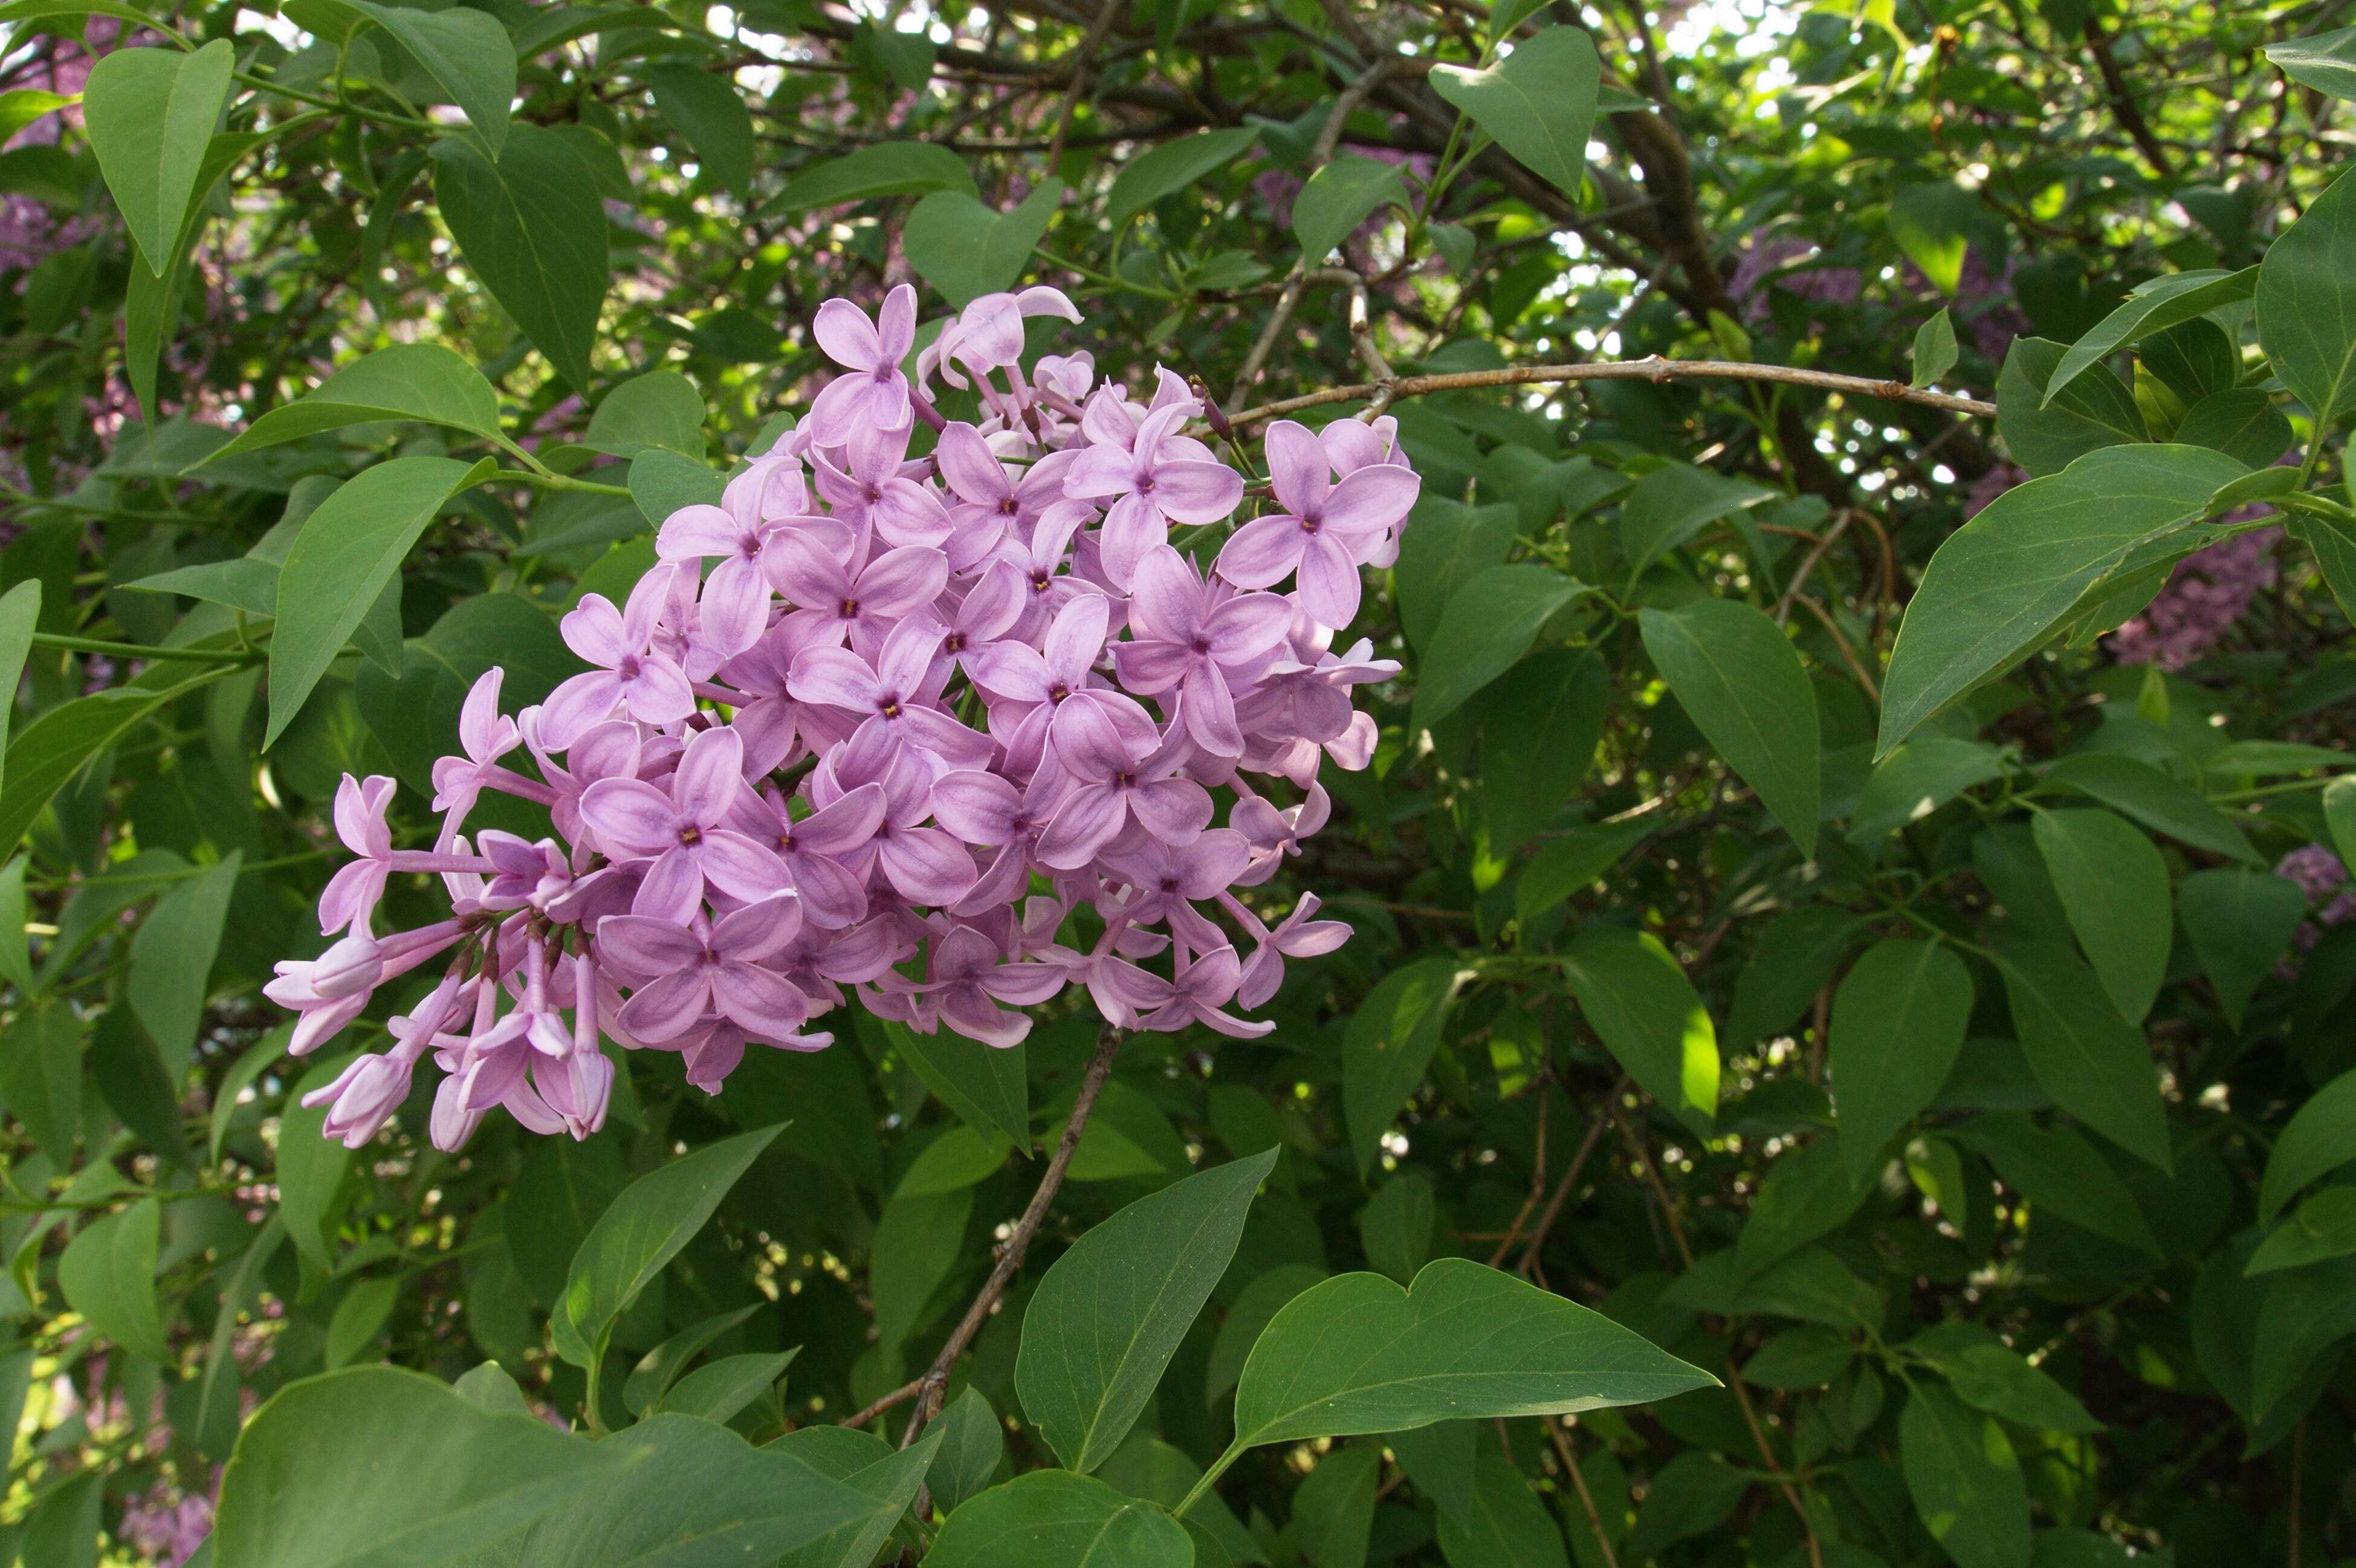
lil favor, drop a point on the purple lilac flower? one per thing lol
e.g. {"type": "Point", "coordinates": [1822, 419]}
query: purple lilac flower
{"type": "Point", "coordinates": [913, 715]}
{"type": "Point", "coordinates": [2206, 593]}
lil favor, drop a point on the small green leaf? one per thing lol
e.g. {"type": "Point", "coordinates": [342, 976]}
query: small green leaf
{"type": "Point", "coordinates": [530, 226]}
{"type": "Point", "coordinates": [1357, 1354]}
{"type": "Point", "coordinates": [1648, 1015]}
{"type": "Point", "coordinates": [347, 551]}
{"type": "Point", "coordinates": [2323, 1228]}
{"type": "Point", "coordinates": [2244, 424]}
{"type": "Point", "coordinates": [1965, 1478]}
{"type": "Point", "coordinates": [637, 1237]}
{"type": "Point", "coordinates": [711, 114]}
{"type": "Point", "coordinates": [1254, 1307]}
{"type": "Point", "coordinates": [150, 114]}
{"type": "Point", "coordinates": [311, 1170]}
{"type": "Point", "coordinates": [2324, 61]}
{"type": "Point", "coordinates": [2239, 922]}
{"type": "Point", "coordinates": [48, 752]}
{"type": "Point", "coordinates": [988, 1089]}
{"type": "Point", "coordinates": [1571, 862]}
{"type": "Point", "coordinates": [1538, 102]}
{"type": "Point", "coordinates": [409, 381]}
{"type": "Point", "coordinates": [1669, 506]}
{"type": "Point", "coordinates": [914, 1248]}
{"type": "Point", "coordinates": [241, 1076]}
{"type": "Point", "coordinates": [172, 960]}
{"type": "Point", "coordinates": [659, 411]}
{"type": "Point", "coordinates": [1444, 545]}
{"type": "Point", "coordinates": [1741, 681]}
{"type": "Point", "coordinates": [662, 1366]}
{"type": "Point", "coordinates": [1397, 1226]}
{"type": "Point", "coordinates": [1053, 1519]}
{"type": "Point", "coordinates": [1935, 349]}
{"type": "Point", "coordinates": [2319, 1139]}
{"type": "Point", "coordinates": [108, 1274]}
{"type": "Point", "coordinates": [1808, 1194]}
{"type": "Point", "coordinates": [2060, 1171]}
{"type": "Point", "coordinates": [1334, 1512]}
{"type": "Point", "coordinates": [1485, 630]}
{"type": "Point", "coordinates": [1913, 781]}
{"type": "Point", "coordinates": [360, 1317]}
{"type": "Point", "coordinates": [719, 1391]}
{"type": "Point", "coordinates": [965, 250]}
{"type": "Point", "coordinates": [2095, 1064]}
{"type": "Point", "coordinates": [466, 52]}
{"type": "Point", "coordinates": [1107, 1317]}
{"type": "Point", "coordinates": [1171, 166]}
{"type": "Point", "coordinates": [2306, 303]}
{"type": "Point", "coordinates": [2095, 411]}
{"type": "Point", "coordinates": [2139, 790]}
{"type": "Point", "coordinates": [1544, 718]}
{"type": "Point", "coordinates": [416, 716]}
{"type": "Point", "coordinates": [41, 1076]}
{"type": "Point", "coordinates": [1997, 1381]}
{"type": "Point", "coordinates": [20, 615]}
{"type": "Point", "coordinates": [1898, 1022]}
{"type": "Point", "coordinates": [883, 168]}
{"type": "Point", "coordinates": [1390, 1043]}
{"type": "Point", "coordinates": [2113, 886]}
{"type": "Point", "coordinates": [1340, 196]}
{"type": "Point", "coordinates": [1932, 224]}
{"type": "Point", "coordinates": [2154, 308]}
{"type": "Point", "coordinates": [973, 1444]}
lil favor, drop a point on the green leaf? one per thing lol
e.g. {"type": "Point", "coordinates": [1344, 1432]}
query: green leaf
{"type": "Point", "coordinates": [2306, 303]}
{"type": "Point", "coordinates": [22, 106]}
{"type": "Point", "coordinates": [2095, 1064]}
{"type": "Point", "coordinates": [1808, 1194]}
{"type": "Point", "coordinates": [2060, 1171]}
{"type": "Point", "coordinates": [1913, 781]}
{"type": "Point", "coordinates": [633, 1240]}
{"type": "Point", "coordinates": [2113, 886]}
{"type": "Point", "coordinates": [2319, 1139]}
{"type": "Point", "coordinates": [46, 754]}
{"type": "Point", "coordinates": [311, 1170]}
{"type": "Point", "coordinates": [1485, 631]}
{"type": "Point", "coordinates": [150, 113]}
{"type": "Point", "coordinates": [867, 1465]}
{"type": "Point", "coordinates": [1398, 1225]}
{"type": "Point", "coordinates": [1357, 1354]}
{"type": "Point", "coordinates": [1999, 585]}
{"type": "Point", "coordinates": [61, 1530]}
{"type": "Point", "coordinates": [2304, 1312]}
{"type": "Point", "coordinates": [348, 550]}
{"type": "Point", "coordinates": [1171, 166]}
{"type": "Point", "coordinates": [1739, 678]}
{"type": "Point", "coordinates": [108, 1274]}
{"type": "Point", "coordinates": [2239, 922]}
{"type": "Point", "coordinates": [662, 1366]}
{"type": "Point", "coordinates": [1669, 506]}
{"type": "Point", "coordinates": [2323, 1228]}
{"type": "Point", "coordinates": [1571, 862]}
{"type": "Point", "coordinates": [973, 1444]}
{"type": "Point", "coordinates": [131, 1079]}
{"type": "Point", "coordinates": [1445, 545]}
{"type": "Point", "coordinates": [409, 381]}
{"type": "Point", "coordinates": [989, 1091]}
{"type": "Point", "coordinates": [360, 1317]}
{"type": "Point", "coordinates": [378, 1467]}
{"type": "Point", "coordinates": [711, 114]}
{"type": "Point", "coordinates": [41, 1076]}
{"type": "Point", "coordinates": [965, 250]}
{"type": "Point", "coordinates": [1334, 1512]}
{"type": "Point", "coordinates": [1256, 1306]}
{"type": "Point", "coordinates": [914, 1248]}
{"type": "Point", "coordinates": [2159, 802]}
{"type": "Point", "coordinates": [1997, 1381]}
{"type": "Point", "coordinates": [1646, 1013]}
{"type": "Point", "coordinates": [20, 615]}
{"type": "Point", "coordinates": [2154, 308]}
{"type": "Point", "coordinates": [1389, 1042]}
{"type": "Point", "coordinates": [1935, 349]}
{"type": "Point", "coordinates": [1107, 1317]}
{"type": "Point", "coordinates": [1538, 741]}
{"type": "Point", "coordinates": [661, 482]}
{"type": "Point", "coordinates": [466, 52]}
{"type": "Point", "coordinates": [1538, 102]}
{"type": "Point", "coordinates": [1931, 223]}
{"type": "Point", "coordinates": [1053, 1519]}
{"type": "Point", "coordinates": [242, 584]}
{"type": "Point", "coordinates": [1898, 1021]}
{"type": "Point", "coordinates": [1340, 196]}
{"type": "Point", "coordinates": [660, 410]}
{"type": "Point", "coordinates": [241, 1076]}
{"type": "Point", "coordinates": [719, 1391]}
{"type": "Point", "coordinates": [1965, 1478]}
{"type": "Point", "coordinates": [172, 960]}
{"type": "Point", "coordinates": [883, 168]}
{"type": "Point", "coordinates": [218, 1386]}
{"type": "Point", "coordinates": [2095, 411]}
{"type": "Point", "coordinates": [1795, 957]}
{"type": "Point", "coordinates": [15, 955]}
{"type": "Point", "coordinates": [2242, 423]}
{"type": "Point", "coordinates": [415, 717]}
{"type": "Point", "coordinates": [2324, 61]}
{"type": "Point", "coordinates": [532, 227]}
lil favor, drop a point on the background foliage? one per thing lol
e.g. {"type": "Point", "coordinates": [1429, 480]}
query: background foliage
{"type": "Point", "coordinates": [1974, 1108]}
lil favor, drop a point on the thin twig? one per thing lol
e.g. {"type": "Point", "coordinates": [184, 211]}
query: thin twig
{"type": "Point", "coordinates": [1809, 564]}
{"type": "Point", "coordinates": [1654, 370]}
{"type": "Point", "coordinates": [1106, 15]}
{"type": "Point", "coordinates": [935, 1382]}
{"type": "Point", "coordinates": [900, 1395]}
{"type": "Point", "coordinates": [1586, 1498]}
{"type": "Point", "coordinates": [1767, 1458]}
{"type": "Point", "coordinates": [1653, 1179]}
{"type": "Point", "coordinates": [1562, 1190]}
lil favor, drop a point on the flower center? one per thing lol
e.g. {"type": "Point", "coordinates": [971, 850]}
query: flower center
{"type": "Point", "coordinates": [691, 835]}
{"type": "Point", "coordinates": [847, 610]}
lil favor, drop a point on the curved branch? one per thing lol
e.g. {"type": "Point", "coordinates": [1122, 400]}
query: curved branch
{"type": "Point", "coordinates": [1655, 370]}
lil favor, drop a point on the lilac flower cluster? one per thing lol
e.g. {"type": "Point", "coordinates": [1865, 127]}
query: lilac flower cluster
{"type": "Point", "coordinates": [874, 726]}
